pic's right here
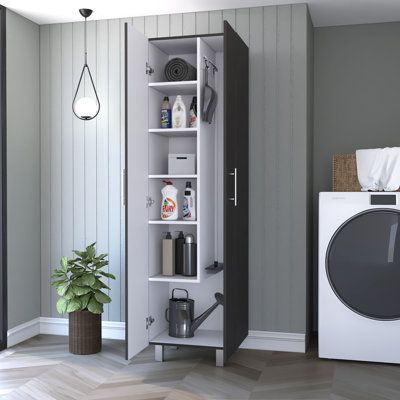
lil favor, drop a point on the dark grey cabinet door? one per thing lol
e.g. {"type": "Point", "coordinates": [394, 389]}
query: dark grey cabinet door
{"type": "Point", "coordinates": [236, 190]}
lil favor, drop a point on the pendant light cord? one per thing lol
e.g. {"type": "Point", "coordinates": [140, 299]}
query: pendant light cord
{"type": "Point", "coordinates": [85, 44]}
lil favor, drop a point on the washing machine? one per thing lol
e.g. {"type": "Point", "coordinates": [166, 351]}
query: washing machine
{"type": "Point", "coordinates": [359, 276]}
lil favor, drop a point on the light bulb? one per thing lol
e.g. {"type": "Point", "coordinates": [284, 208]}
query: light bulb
{"type": "Point", "coordinates": [85, 108]}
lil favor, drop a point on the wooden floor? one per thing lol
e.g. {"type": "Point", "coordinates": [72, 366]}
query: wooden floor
{"type": "Point", "coordinates": [43, 369]}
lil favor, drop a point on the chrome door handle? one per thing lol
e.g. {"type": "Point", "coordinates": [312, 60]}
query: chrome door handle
{"type": "Point", "coordinates": [235, 197]}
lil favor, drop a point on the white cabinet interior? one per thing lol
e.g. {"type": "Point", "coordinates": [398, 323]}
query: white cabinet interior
{"type": "Point", "coordinates": [148, 146]}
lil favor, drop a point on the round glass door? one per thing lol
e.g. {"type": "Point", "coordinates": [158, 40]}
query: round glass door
{"type": "Point", "coordinates": [363, 264]}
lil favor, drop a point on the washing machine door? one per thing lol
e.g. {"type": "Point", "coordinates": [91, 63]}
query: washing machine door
{"type": "Point", "coordinates": [363, 264]}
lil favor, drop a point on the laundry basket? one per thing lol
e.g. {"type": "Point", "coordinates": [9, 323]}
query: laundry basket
{"type": "Point", "coordinates": [344, 173]}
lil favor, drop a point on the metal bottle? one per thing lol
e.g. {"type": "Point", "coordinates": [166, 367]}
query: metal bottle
{"type": "Point", "coordinates": [189, 256]}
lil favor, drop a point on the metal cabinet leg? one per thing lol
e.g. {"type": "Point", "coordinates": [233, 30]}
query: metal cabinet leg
{"type": "Point", "coordinates": [159, 352]}
{"type": "Point", "coordinates": [219, 358]}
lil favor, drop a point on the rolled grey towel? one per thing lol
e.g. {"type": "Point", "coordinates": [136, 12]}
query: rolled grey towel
{"type": "Point", "coordinates": [177, 69]}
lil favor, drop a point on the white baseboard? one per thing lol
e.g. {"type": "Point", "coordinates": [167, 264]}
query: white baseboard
{"type": "Point", "coordinates": [275, 341]}
{"type": "Point", "coordinates": [256, 340]}
{"type": "Point", "coordinates": [58, 326]}
{"type": "Point", "coordinates": [23, 332]}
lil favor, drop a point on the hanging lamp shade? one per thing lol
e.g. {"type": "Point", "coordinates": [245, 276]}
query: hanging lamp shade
{"type": "Point", "coordinates": [86, 104]}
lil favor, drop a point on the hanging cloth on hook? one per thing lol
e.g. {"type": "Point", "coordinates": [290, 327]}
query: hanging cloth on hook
{"type": "Point", "coordinates": [210, 97]}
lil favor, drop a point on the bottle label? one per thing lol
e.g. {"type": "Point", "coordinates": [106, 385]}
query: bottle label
{"type": "Point", "coordinates": [165, 118]}
{"type": "Point", "coordinates": [186, 209]}
{"type": "Point", "coordinates": [192, 119]}
{"type": "Point", "coordinates": [168, 208]}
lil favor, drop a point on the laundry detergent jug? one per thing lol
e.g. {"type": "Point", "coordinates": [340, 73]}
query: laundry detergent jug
{"type": "Point", "coordinates": [169, 202]}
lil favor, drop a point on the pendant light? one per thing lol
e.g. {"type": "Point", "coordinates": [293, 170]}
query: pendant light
{"type": "Point", "coordinates": [85, 107]}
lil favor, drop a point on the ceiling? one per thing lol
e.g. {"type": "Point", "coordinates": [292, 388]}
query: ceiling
{"type": "Point", "coordinates": [323, 12]}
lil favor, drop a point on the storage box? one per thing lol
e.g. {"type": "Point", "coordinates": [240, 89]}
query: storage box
{"type": "Point", "coordinates": [181, 164]}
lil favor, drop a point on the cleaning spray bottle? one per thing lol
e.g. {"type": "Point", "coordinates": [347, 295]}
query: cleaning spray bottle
{"type": "Point", "coordinates": [179, 113]}
{"type": "Point", "coordinates": [189, 203]}
{"type": "Point", "coordinates": [169, 202]}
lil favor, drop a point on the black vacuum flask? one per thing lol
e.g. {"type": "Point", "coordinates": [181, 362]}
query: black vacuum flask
{"type": "Point", "coordinates": [179, 242]}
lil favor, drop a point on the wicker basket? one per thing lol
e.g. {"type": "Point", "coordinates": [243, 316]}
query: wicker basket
{"type": "Point", "coordinates": [344, 173]}
{"type": "Point", "coordinates": [344, 176]}
{"type": "Point", "coordinates": [84, 332]}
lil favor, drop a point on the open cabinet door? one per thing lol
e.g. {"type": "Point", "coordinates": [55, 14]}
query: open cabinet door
{"type": "Point", "coordinates": [136, 183]}
{"type": "Point", "coordinates": [236, 190]}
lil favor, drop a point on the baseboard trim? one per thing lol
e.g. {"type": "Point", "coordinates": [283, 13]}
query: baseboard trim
{"type": "Point", "coordinates": [256, 340]}
{"type": "Point", "coordinates": [275, 341]}
{"type": "Point", "coordinates": [58, 326]}
{"type": "Point", "coordinates": [23, 332]}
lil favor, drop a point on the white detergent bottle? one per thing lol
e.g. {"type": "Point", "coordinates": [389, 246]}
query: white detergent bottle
{"type": "Point", "coordinates": [169, 202]}
{"type": "Point", "coordinates": [189, 203]}
{"type": "Point", "coordinates": [179, 113]}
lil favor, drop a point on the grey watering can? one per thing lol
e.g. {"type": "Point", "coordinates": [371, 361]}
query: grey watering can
{"type": "Point", "coordinates": [180, 314]}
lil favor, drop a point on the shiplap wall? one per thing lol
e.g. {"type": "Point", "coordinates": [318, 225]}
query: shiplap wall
{"type": "Point", "coordinates": [81, 162]}
{"type": "Point", "coordinates": [23, 170]}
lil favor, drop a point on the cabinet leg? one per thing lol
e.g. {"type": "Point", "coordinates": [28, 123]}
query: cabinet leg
{"type": "Point", "coordinates": [159, 352]}
{"type": "Point", "coordinates": [219, 358]}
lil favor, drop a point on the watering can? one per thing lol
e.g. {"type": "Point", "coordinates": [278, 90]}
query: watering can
{"type": "Point", "coordinates": [180, 314]}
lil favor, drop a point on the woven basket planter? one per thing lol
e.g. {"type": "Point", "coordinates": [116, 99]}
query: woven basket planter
{"type": "Point", "coordinates": [84, 332]}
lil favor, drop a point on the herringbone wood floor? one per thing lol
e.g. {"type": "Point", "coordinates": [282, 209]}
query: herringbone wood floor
{"type": "Point", "coordinates": [42, 368]}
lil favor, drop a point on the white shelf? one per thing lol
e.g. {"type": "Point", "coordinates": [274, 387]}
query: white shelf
{"type": "Point", "coordinates": [176, 222]}
{"type": "Point", "coordinates": [174, 279]}
{"type": "Point", "coordinates": [172, 176]}
{"type": "Point", "coordinates": [174, 88]}
{"type": "Point", "coordinates": [202, 338]}
{"type": "Point", "coordinates": [178, 132]}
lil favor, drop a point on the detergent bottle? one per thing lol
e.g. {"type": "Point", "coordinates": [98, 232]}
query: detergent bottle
{"type": "Point", "coordinates": [169, 202]}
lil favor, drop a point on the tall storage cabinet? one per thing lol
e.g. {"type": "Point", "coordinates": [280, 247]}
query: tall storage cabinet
{"type": "Point", "coordinates": [220, 180]}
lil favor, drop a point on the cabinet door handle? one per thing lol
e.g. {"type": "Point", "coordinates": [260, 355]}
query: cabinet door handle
{"type": "Point", "coordinates": [235, 197]}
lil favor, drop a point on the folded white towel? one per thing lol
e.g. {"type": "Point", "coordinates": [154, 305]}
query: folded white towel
{"type": "Point", "coordinates": [379, 169]}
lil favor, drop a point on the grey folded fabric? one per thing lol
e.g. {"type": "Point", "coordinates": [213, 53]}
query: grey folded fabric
{"type": "Point", "coordinates": [177, 69]}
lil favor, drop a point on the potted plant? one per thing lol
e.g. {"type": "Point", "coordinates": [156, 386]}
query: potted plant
{"type": "Point", "coordinates": [80, 287]}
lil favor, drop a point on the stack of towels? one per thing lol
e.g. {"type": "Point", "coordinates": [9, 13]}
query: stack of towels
{"type": "Point", "coordinates": [379, 169]}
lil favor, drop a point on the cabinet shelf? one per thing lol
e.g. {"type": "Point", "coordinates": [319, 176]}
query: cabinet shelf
{"type": "Point", "coordinates": [174, 88]}
{"type": "Point", "coordinates": [202, 338]}
{"type": "Point", "coordinates": [172, 176]}
{"type": "Point", "coordinates": [174, 132]}
{"type": "Point", "coordinates": [174, 279]}
{"type": "Point", "coordinates": [176, 222]}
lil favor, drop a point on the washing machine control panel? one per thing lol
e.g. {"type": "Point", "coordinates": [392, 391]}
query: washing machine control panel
{"type": "Point", "coordinates": [383, 199]}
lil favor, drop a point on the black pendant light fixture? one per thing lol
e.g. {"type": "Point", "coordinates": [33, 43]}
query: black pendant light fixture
{"type": "Point", "coordinates": [85, 107]}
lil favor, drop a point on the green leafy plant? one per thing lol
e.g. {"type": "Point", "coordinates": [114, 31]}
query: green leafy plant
{"type": "Point", "coordinates": [78, 282]}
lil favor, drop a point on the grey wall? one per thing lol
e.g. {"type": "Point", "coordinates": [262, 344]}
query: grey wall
{"type": "Point", "coordinates": [81, 162]}
{"type": "Point", "coordinates": [357, 96]}
{"type": "Point", "coordinates": [23, 169]}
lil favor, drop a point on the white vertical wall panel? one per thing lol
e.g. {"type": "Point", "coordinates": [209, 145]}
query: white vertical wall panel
{"type": "Point", "coordinates": [90, 137]}
{"type": "Point", "coordinates": [92, 153]}
{"type": "Point", "coordinates": [150, 26]}
{"type": "Point", "coordinates": [138, 23]}
{"type": "Point", "coordinates": [67, 144]}
{"type": "Point", "coordinates": [175, 27]}
{"type": "Point", "coordinates": [55, 149]}
{"type": "Point", "coordinates": [202, 26]}
{"type": "Point", "coordinates": [163, 26]}
{"type": "Point", "coordinates": [45, 170]}
{"type": "Point", "coordinates": [114, 160]}
{"type": "Point", "coordinates": [189, 24]}
{"type": "Point", "coordinates": [102, 178]}
{"type": "Point", "coordinates": [215, 21]}
{"type": "Point", "coordinates": [78, 161]}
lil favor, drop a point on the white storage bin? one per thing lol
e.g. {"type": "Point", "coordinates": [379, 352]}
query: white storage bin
{"type": "Point", "coordinates": [181, 164]}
